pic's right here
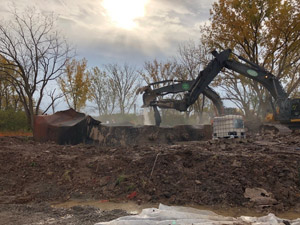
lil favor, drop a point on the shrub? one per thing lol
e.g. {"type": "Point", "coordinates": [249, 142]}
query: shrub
{"type": "Point", "coordinates": [13, 121]}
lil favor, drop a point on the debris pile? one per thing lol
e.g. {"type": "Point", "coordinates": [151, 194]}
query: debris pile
{"type": "Point", "coordinates": [71, 127]}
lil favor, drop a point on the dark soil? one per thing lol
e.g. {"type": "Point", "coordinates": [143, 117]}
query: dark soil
{"type": "Point", "coordinates": [25, 214]}
{"type": "Point", "coordinates": [205, 173]}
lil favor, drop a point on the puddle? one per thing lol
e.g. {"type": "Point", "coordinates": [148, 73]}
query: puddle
{"type": "Point", "coordinates": [134, 208]}
{"type": "Point", "coordinates": [240, 211]}
{"type": "Point", "coordinates": [130, 207]}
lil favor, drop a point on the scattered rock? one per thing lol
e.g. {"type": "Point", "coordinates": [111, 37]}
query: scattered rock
{"type": "Point", "coordinates": [236, 163]}
{"type": "Point", "coordinates": [197, 181]}
{"type": "Point", "coordinates": [223, 146]}
{"type": "Point", "coordinates": [260, 196]}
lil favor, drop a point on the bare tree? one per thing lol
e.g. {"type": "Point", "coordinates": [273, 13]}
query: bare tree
{"type": "Point", "coordinates": [54, 97]}
{"type": "Point", "coordinates": [168, 71]}
{"type": "Point", "coordinates": [102, 91]}
{"type": "Point", "coordinates": [158, 71]}
{"type": "Point", "coordinates": [125, 81]}
{"type": "Point", "coordinates": [192, 57]}
{"type": "Point", "coordinates": [243, 97]}
{"type": "Point", "coordinates": [34, 50]}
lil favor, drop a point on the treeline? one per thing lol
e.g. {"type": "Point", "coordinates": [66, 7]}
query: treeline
{"type": "Point", "coordinates": [12, 116]}
{"type": "Point", "coordinates": [34, 56]}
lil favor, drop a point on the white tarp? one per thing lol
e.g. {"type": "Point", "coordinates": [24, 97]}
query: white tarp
{"type": "Point", "coordinates": [176, 215]}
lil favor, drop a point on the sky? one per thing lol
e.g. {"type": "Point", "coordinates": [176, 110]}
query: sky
{"type": "Point", "coordinates": [123, 31]}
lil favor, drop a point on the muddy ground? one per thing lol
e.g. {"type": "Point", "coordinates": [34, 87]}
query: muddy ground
{"type": "Point", "coordinates": [214, 173]}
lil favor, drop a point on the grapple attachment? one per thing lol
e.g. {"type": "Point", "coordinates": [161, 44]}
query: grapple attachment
{"type": "Point", "coordinates": [148, 95]}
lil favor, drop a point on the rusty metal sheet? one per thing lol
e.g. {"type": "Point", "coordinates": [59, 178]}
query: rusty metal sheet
{"type": "Point", "coordinates": [63, 127]}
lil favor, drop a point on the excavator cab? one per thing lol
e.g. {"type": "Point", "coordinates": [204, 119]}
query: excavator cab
{"type": "Point", "coordinates": [295, 110]}
{"type": "Point", "coordinates": [294, 118]}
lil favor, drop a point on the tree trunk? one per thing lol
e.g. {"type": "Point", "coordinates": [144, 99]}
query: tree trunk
{"type": "Point", "coordinates": [30, 113]}
{"type": "Point", "coordinates": [27, 115]}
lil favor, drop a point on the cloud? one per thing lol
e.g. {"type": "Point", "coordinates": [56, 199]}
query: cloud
{"type": "Point", "coordinates": [166, 24]}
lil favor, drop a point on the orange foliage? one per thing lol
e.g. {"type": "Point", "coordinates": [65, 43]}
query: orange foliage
{"type": "Point", "coordinates": [75, 85]}
{"type": "Point", "coordinates": [15, 133]}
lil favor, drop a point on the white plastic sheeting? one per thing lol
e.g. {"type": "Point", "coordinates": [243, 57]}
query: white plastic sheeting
{"type": "Point", "coordinates": [176, 215]}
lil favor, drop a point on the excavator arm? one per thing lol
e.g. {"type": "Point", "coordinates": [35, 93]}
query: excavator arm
{"type": "Point", "coordinates": [285, 109]}
{"type": "Point", "coordinates": [150, 97]}
{"type": "Point", "coordinates": [192, 89]}
{"type": "Point", "coordinates": [259, 74]}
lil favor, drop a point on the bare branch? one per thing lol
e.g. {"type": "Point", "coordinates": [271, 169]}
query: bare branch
{"type": "Point", "coordinates": [35, 52]}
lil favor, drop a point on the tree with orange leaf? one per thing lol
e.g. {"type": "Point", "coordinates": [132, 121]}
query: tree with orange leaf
{"type": "Point", "coordinates": [9, 99]}
{"type": "Point", "coordinates": [266, 32]}
{"type": "Point", "coordinates": [75, 84]}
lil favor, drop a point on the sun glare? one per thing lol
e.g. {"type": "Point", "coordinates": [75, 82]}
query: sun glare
{"type": "Point", "coordinates": [124, 12]}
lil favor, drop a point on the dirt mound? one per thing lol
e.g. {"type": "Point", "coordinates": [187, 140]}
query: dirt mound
{"type": "Point", "coordinates": [205, 172]}
{"type": "Point", "coordinates": [129, 135]}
